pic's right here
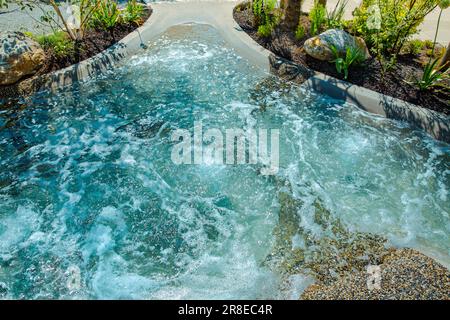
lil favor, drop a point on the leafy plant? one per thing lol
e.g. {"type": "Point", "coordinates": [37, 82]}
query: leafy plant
{"type": "Point", "coordinates": [353, 55]}
{"type": "Point", "coordinates": [300, 32]}
{"type": "Point", "coordinates": [317, 15]}
{"type": "Point", "coordinates": [266, 18]}
{"type": "Point", "coordinates": [265, 30]}
{"type": "Point", "coordinates": [258, 11]}
{"type": "Point", "coordinates": [443, 4]}
{"type": "Point", "coordinates": [334, 18]}
{"type": "Point", "coordinates": [399, 20]}
{"type": "Point", "coordinates": [428, 44]}
{"type": "Point", "coordinates": [414, 46]}
{"type": "Point", "coordinates": [445, 60]}
{"type": "Point", "coordinates": [59, 43]}
{"type": "Point", "coordinates": [431, 76]}
{"type": "Point", "coordinates": [106, 15]}
{"type": "Point", "coordinates": [133, 12]}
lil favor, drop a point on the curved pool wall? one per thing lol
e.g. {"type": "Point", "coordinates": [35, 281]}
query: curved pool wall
{"type": "Point", "coordinates": [220, 15]}
{"type": "Point", "coordinates": [165, 14]}
{"type": "Point", "coordinates": [93, 207]}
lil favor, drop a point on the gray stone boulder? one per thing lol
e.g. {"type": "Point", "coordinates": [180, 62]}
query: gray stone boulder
{"type": "Point", "coordinates": [20, 56]}
{"type": "Point", "coordinates": [319, 47]}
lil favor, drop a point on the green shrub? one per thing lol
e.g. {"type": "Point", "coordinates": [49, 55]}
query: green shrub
{"type": "Point", "coordinates": [133, 12]}
{"type": "Point", "coordinates": [300, 32]}
{"type": "Point", "coordinates": [317, 15]}
{"type": "Point", "coordinates": [353, 55]}
{"type": "Point", "coordinates": [106, 15]}
{"type": "Point", "coordinates": [399, 21]}
{"type": "Point", "coordinates": [428, 44]}
{"type": "Point", "coordinates": [266, 17]}
{"type": "Point", "coordinates": [435, 53]}
{"type": "Point", "coordinates": [265, 30]}
{"type": "Point", "coordinates": [58, 42]}
{"type": "Point", "coordinates": [414, 46]}
{"type": "Point", "coordinates": [258, 12]}
{"type": "Point", "coordinates": [334, 18]}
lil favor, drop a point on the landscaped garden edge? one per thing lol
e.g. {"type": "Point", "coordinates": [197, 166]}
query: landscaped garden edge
{"type": "Point", "coordinates": [90, 67]}
{"type": "Point", "coordinates": [434, 123]}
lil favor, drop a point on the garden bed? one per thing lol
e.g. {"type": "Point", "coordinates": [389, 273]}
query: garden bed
{"type": "Point", "coordinates": [395, 83]}
{"type": "Point", "coordinates": [95, 41]}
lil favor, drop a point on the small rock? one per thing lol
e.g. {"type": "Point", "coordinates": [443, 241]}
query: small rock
{"type": "Point", "coordinates": [19, 56]}
{"type": "Point", "coordinates": [288, 70]}
{"type": "Point", "coordinates": [319, 47]}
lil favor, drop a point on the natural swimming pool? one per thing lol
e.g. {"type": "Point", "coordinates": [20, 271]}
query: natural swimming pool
{"type": "Point", "coordinates": [88, 190]}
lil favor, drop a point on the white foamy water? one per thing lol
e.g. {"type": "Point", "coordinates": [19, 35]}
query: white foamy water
{"type": "Point", "coordinates": [87, 182]}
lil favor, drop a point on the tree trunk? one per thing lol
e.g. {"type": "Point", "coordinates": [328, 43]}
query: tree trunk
{"type": "Point", "coordinates": [291, 12]}
{"type": "Point", "coordinates": [445, 60]}
{"type": "Point", "coordinates": [59, 14]}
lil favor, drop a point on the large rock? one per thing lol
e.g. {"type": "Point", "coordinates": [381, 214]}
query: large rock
{"type": "Point", "coordinates": [319, 47]}
{"type": "Point", "coordinates": [19, 56]}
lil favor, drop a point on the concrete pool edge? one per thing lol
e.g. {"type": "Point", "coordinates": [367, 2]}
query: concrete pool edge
{"type": "Point", "coordinates": [432, 122]}
{"type": "Point", "coordinates": [220, 16]}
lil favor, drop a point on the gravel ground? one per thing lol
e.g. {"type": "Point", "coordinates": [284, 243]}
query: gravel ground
{"type": "Point", "coordinates": [405, 274]}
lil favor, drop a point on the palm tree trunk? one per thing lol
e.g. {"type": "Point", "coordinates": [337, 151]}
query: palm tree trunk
{"type": "Point", "coordinates": [292, 10]}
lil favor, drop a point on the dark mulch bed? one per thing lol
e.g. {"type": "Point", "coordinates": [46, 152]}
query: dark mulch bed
{"type": "Point", "coordinates": [94, 42]}
{"type": "Point", "coordinates": [394, 83]}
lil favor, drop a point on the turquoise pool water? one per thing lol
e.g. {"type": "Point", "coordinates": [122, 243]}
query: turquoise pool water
{"type": "Point", "coordinates": [91, 205]}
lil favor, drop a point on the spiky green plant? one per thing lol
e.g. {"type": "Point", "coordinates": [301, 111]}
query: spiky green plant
{"type": "Point", "coordinates": [265, 16]}
{"type": "Point", "coordinates": [431, 76]}
{"type": "Point", "coordinates": [133, 12]}
{"type": "Point", "coordinates": [334, 17]}
{"type": "Point", "coordinates": [353, 55]}
{"type": "Point", "coordinates": [106, 15]}
{"type": "Point", "coordinates": [317, 15]}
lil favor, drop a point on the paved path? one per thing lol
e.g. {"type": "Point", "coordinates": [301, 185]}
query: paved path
{"type": "Point", "coordinates": [15, 19]}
